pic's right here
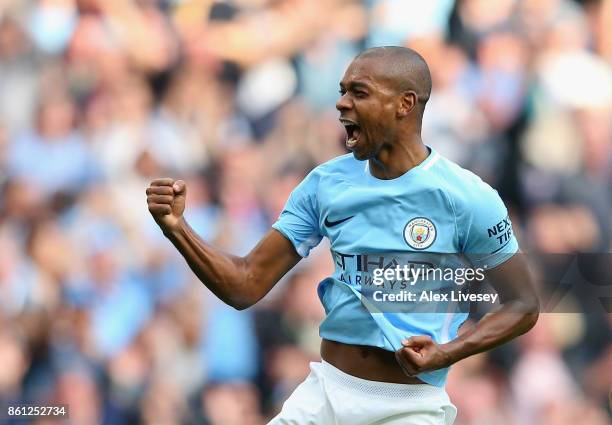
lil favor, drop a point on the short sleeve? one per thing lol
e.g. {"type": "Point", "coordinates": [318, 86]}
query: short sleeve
{"type": "Point", "coordinates": [299, 220]}
{"type": "Point", "coordinates": [489, 238]}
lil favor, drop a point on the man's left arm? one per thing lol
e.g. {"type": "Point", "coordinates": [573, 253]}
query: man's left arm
{"type": "Point", "coordinates": [518, 313]}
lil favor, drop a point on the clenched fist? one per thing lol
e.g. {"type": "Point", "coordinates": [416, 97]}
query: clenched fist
{"type": "Point", "coordinates": [166, 200]}
{"type": "Point", "coordinates": [421, 354]}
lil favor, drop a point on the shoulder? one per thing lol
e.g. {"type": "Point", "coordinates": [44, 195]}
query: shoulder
{"type": "Point", "coordinates": [481, 217]}
{"type": "Point", "coordinates": [464, 189]}
{"type": "Point", "coordinates": [325, 174]}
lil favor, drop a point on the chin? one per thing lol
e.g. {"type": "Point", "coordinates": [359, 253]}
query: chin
{"type": "Point", "coordinates": [360, 156]}
{"type": "Point", "coordinates": [363, 152]}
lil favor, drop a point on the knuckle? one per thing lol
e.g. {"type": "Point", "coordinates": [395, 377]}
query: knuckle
{"type": "Point", "coordinates": [161, 190]}
{"type": "Point", "coordinates": [162, 182]}
{"type": "Point", "coordinates": [405, 357]}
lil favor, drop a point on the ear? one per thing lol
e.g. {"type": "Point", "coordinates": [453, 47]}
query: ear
{"type": "Point", "coordinates": [408, 101]}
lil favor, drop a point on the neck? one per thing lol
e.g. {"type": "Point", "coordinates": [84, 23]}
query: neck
{"type": "Point", "coordinates": [394, 160]}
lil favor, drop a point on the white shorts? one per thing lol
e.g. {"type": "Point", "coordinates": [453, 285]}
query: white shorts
{"type": "Point", "coordinates": [330, 396]}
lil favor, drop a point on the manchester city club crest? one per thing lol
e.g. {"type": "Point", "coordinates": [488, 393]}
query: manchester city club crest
{"type": "Point", "coordinates": [420, 233]}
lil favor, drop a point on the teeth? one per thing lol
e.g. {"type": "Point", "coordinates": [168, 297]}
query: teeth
{"type": "Point", "coordinates": [346, 122]}
{"type": "Point", "coordinates": [352, 130]}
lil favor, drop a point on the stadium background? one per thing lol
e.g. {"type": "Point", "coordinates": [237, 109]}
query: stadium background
{"type": "Point", "coordinates": [97, 97]}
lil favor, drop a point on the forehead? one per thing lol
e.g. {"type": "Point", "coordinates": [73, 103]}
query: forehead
{"type": "Point", "coordinates": [367, 71]}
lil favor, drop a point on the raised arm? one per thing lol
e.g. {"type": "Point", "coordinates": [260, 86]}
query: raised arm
{"type": "Point", "coordinates": [238, 281]}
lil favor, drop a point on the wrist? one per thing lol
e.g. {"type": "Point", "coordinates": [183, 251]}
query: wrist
{"type": "Point", "coordinates": [452, 352]}
{"type": "Point", "coordinates": [174, 229]}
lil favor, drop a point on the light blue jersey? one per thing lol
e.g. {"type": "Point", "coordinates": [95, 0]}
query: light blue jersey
{"type": "Point", "coordinates": [435, 207]}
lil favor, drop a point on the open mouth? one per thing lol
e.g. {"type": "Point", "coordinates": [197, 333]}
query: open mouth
{"type": "Point", "coordinates": [353, 131]}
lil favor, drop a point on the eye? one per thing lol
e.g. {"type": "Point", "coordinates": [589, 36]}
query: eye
{"type": "Point", "coordinates": [361, 94]}
{"type": "Point", "coordinates": [342, 91]}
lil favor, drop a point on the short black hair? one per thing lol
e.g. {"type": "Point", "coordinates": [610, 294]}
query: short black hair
{"type": "Point", "coordinates": [404, 67]}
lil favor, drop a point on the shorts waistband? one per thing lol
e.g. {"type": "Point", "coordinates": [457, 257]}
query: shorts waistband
{"type": "Point", "coordinates": [383, 389]}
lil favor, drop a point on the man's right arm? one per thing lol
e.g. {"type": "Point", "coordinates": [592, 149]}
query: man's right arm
{"type": "Point", "coordinates": [238, 281]}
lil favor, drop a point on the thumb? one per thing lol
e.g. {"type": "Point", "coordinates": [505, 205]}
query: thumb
{"type": "Point", "coordinates": [180, 195]}
{"type": "Point", "coordinates": [179, 187]}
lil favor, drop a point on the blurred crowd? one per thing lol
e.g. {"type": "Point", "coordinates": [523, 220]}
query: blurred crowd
{"type": "Point", "coordinates": [98, 97]}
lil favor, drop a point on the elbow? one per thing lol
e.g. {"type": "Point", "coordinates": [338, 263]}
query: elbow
{"type": "Point", "coordinates": [239, 302]}
{"type": "Point", "coordinates": [246, 289]}
{"type": "Point", "coordinates": [243, 300]}
{"type": "Point", "coordinates": [250, 292]}
{"type": "Point", "coordinates": [531, 320]}
{"type": "Point", "coordinates": [240, 305]}
{"type": "Point", "coordinates": [532, 313]}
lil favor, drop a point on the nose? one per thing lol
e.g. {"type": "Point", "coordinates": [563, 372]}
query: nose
{"type": "Point", "coordinates": [343, 103]}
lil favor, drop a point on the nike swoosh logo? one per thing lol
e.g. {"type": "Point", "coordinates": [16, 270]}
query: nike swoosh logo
{"type": "Point", "coordinates": [335, 223]}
